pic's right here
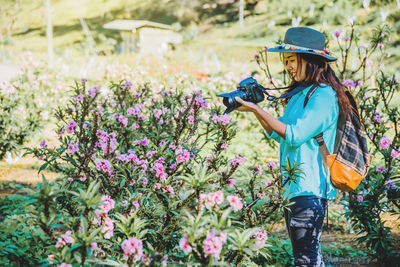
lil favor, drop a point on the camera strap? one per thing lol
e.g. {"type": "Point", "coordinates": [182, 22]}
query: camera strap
{"type": "Point", "coordinates": [296, 90]}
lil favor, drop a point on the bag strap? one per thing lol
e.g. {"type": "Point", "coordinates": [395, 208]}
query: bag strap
{"type": "Point", "coordinates": [309, 94]}
{"type": "Point", "coordinates": [323, 149]}
{"type": "Point", "coordinates": [324, 154]}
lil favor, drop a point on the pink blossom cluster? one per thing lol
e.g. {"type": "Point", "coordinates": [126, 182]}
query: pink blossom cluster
{"type": "Point", "coordinates": [108, 228]}
{"type": "Point", "coordinates": [160, 173]}
{"type": "Point", "coordinates": [72, 148]}
{"type": "Point", "coordinates": [103, 165]}
{"type": "Point", "coordinates": [213, 244]}
{"type": "Point", "coordinates": [183, 155]}
{"type": "Point", "coordinates": [132, 246]}
{"type": "Point", "coordinates": [199, 101]}
{"type": "Point", "coordinates": [107, 142]}
{"type": "Point", "coordinates": [71, 126]}
{"type": "Point", "coordinates": [381, 169]}
{"type": "Point", "coordinates": [130, 156]}
{"type": "Point", "coordinates": [378, 118]}
{"type": "Point", "coordinates": [211, 199]}
{"type": "Point", "coordinates": [65, 239]}
{"type": "Point", "coordinates": [143, 142]}
{"type": "Point", "coordinates": [122, 119]}
{"type": "Point", "coordinates": [238, 161]}
{"type": "Point", "coordinates": [169, 189]}
{"type": "Point", "coordinates": [395, 154]}
{"type": "Point", "coordinates": [351, 83]}
{"type": "Point", "coordinates": [235, 202]}
{"type": "Point", "coordinates": [184, 244]}
{"type": "Point", "coordinates": [93, 91]}
{"type": "Point", "coordinates": [261, 237]}
{"type": "Point", "coordinates": [108, 203]}
{"type": "Point", "coordinates": [270, 165]}
{"type": "Point", "coordinates": [384, 143]}
{"type": "Point", "coordinates": [223, 119]}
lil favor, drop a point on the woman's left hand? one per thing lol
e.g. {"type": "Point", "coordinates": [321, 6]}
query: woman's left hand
{"type": "Point", "coordinates": [246, 106]}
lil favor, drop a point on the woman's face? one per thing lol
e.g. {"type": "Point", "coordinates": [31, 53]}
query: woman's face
{"type": "Point", "coordinates": [295, 68]}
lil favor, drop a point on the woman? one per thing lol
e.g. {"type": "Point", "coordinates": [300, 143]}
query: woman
{"type": "Point", "coordinates": [307, 63]}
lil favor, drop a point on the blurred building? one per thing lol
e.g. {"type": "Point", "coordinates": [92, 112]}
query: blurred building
{"type": "Point", "coordinates": [144, 36]}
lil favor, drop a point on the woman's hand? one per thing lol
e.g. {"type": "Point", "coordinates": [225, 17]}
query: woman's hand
{"type": "Point", "coordinates": [246, 106]}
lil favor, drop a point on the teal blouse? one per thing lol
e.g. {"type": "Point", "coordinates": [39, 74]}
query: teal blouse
{"type": "Point", "coordinates": [302, 124]}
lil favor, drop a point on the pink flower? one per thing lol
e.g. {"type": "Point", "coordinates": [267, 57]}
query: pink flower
{"type": "Point", "coordinates": [157, 186]}
{"type": "Point", "coordinates": [82, 177]}
{"type": "Point", "coordinates": [224, 146]}
{"type": "Point", "coordinates": [144, 142]}
{"type": "Point", "coordinates": [184, 244]}
{"type": "Point", "coordinates": [72, 148]}
{"type": "Point", "coordinates": [132, 246]}
{"type": "Point", "coordinates": [70, 179]}
{"type": "Point", "coordinates": [130, 111]}
{"type": "Point", "coordinates": [79, 98]}
{"type": "Point", "coordinates": [346, 38]}
{"type": "Point", "coordinates": [213, 244]}
{"type": "Point", "coordinates": [378, 118]}
{"type": "Point", "coordinates": [256, 56]}
{"type": "Point", "coordinates": [103, 165]}
{"type": "Point", "coordinates": [135, 126]}
{"type": "Point", "coordinates": [93, 91]}
{"type": "Point", "coordinates": [261, 238]}
{"type": "Point", "coordinates": [93, 246]}
{"type": "Point", "coordinates": [123, 120]}
{"type": "Point", "coordinates": [235, 202]}
{"type": "Point", "coordinates": [218, 197]}
{"type": "Point", "coordinates": [108, 228]}
{"type": "Point", "coordinates": [379, 45]}
{"type": "Point", "coordinates": [337, 33]}
{"type": "Point", "coordinates": [64, 265]}
{"type": "Point", "coordinates": [136, 204]}
{"type": "Point", "coordinates": [43, 144]}
{"type": "Point", "coordinates": [60, 242]}
{"type": "Point", "coordinates": [349, 83]}
{"type": "Point", "coordinates": [360, 199]}
{"type": "Point", "coordinates": [384, 143]}
{"type": "Point", "coordinates": [83, 80]}
{"type": "Point", "coordinates": [381, 169]}
{"type": "Point", "coordinates": [224, 119]}
{"type": "Point", "coordinates": [191, 120]}
{"type": "Point", "coordinates": [67, 237]}
{"type": "Point", "coordinates": [160, 173]}
{"type": "Point", "coordinates": [231, 182]}
{"type": "Point", "coordinates": [238, 161]}
{"type": "Point", "coordinates": [108, 203]}
{"type": "Point", "coordinates": [270, 165]}
{"type": "Point", "coordinates": [71, 126]}
{"type": "Point", "coordinates": [395, 154]}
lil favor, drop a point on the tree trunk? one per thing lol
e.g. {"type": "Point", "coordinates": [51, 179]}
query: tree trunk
{"type": "Point", "coordinates": [241, 15]}
{"type": "Point", "coordinates": [49, 33]}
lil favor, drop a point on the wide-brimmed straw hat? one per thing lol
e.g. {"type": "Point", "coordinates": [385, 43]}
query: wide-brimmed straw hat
{"type": "Point", "coordinates": [303, 40]}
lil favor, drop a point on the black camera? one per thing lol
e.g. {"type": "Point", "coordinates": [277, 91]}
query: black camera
{"type": "Point", "coordinates": [248, 90]}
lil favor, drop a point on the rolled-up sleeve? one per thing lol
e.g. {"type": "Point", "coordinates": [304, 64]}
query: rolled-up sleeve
{"type": "Point", "coordinates": [321, 111]}
{"type": "Point", "coordinates": [274, 135]}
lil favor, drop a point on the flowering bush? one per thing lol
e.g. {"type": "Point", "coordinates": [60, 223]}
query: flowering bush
{"type": "Point", "coordinates": [20, 116]}
{"type": "Point", "coordinates": [145, 179]}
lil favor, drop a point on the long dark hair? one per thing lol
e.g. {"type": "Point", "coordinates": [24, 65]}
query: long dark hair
{"type": "Point", "coordinates": [318, 71]}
